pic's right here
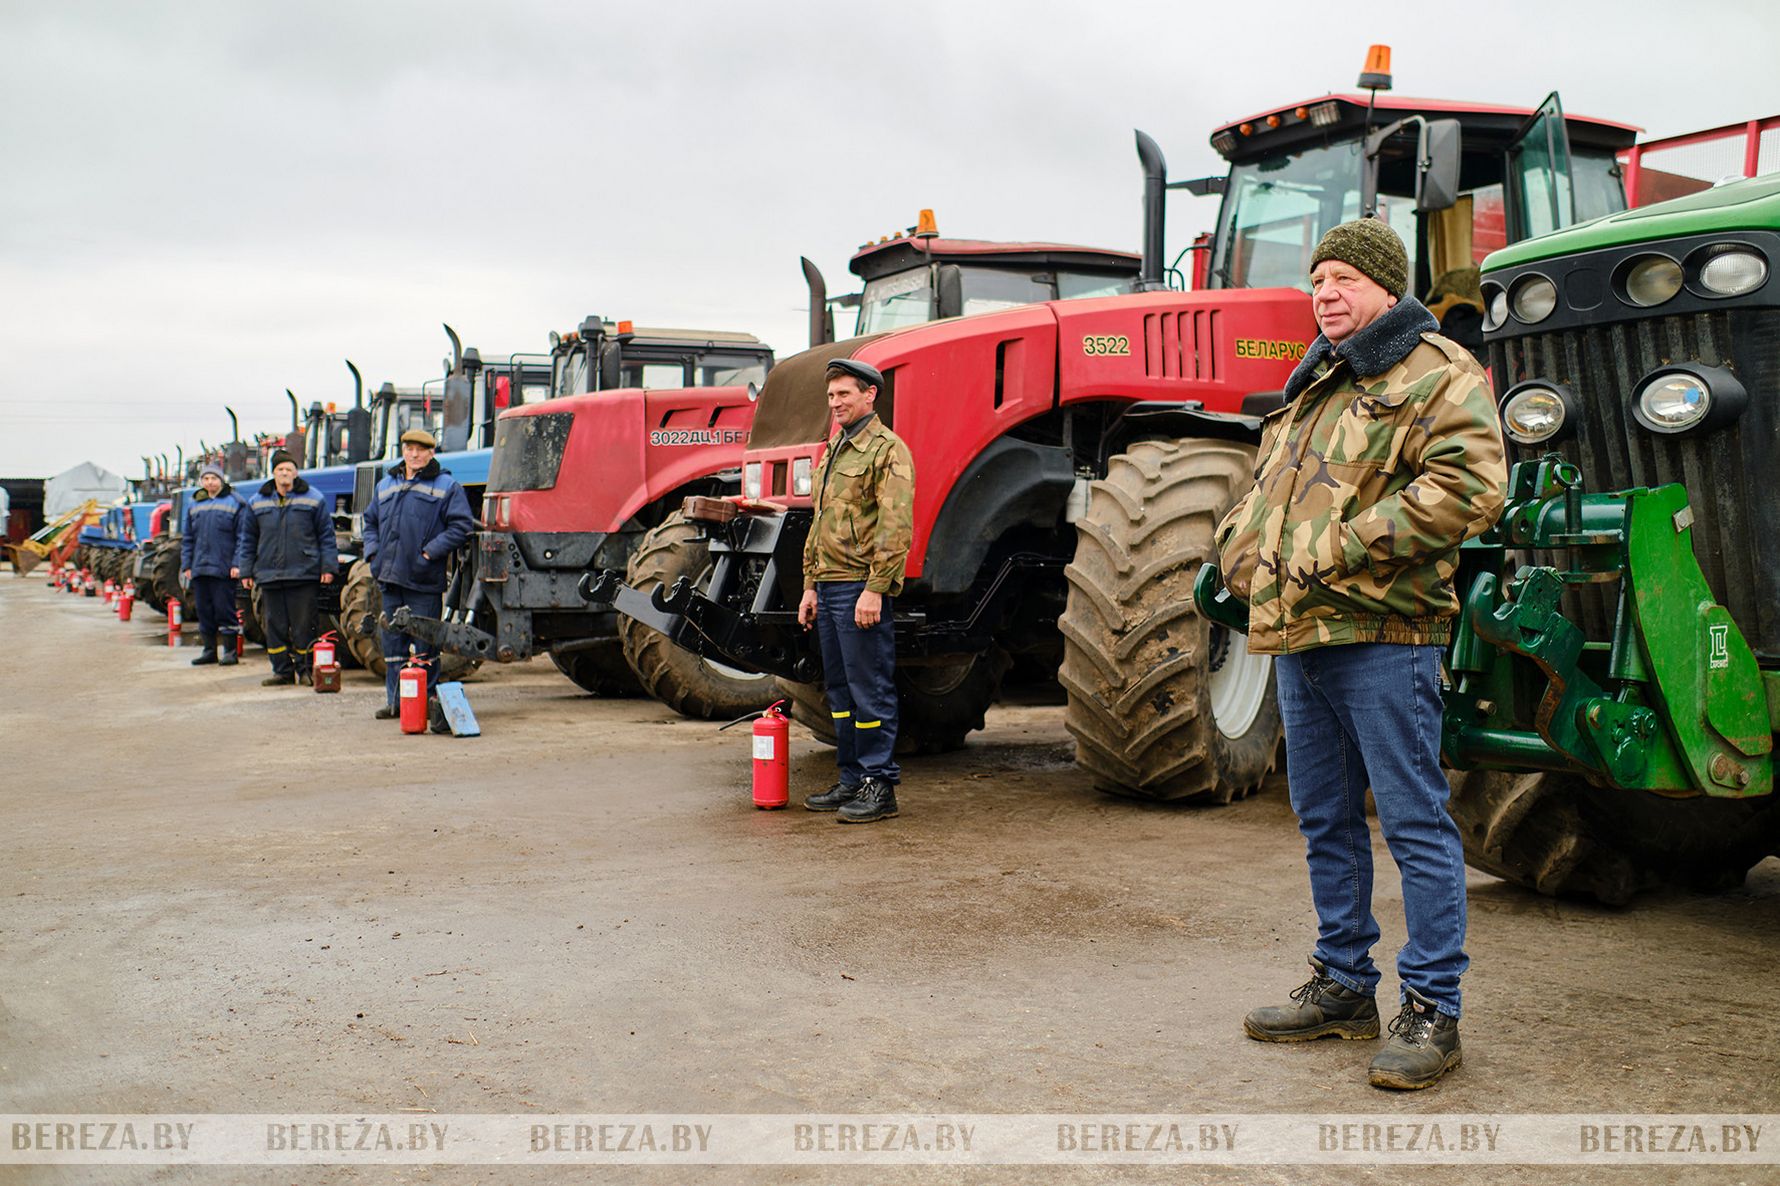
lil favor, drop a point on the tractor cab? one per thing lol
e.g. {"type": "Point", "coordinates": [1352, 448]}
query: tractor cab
{"type": "Point", "coordinates": [1455, 180]}
{"type": "Point", "coordinates": [603, 355]}
{"type": "Point", "coordinates": [914, 276]}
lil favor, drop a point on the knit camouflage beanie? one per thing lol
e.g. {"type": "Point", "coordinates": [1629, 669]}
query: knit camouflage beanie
{"type": "Point", "coordinates": [1371, 246]}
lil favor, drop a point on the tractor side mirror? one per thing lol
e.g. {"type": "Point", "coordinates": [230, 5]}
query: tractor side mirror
{"type": "Point", "coordinates": [951, 291]}
{"type": "Point", "coordinates": [1437, 165]}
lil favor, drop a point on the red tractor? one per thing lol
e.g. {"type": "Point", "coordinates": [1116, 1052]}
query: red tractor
{"type": "Point", "coordinates": [635, 421]}
{"type": "Point", "coordinates": [1072, 457]}
{"type": "Point", "coordinates": [593, 478]}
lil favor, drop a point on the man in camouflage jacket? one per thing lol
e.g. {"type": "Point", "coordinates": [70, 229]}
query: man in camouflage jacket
{"type": "Point", "coordinates": [864, 508]}
{"type": "Point", "coordinates": [1387, 456]}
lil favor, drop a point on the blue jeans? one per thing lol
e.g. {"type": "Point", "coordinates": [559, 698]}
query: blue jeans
{"type": "Point", "coordinates": [1369, 713]}
{"type": "Point", "coordinates": [395, 646]}
{"type": "Point", "coordinates": [859, 669]}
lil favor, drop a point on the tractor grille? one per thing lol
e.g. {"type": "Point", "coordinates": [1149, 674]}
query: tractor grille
{"type": "Point", "coordinates": [1730, 474]}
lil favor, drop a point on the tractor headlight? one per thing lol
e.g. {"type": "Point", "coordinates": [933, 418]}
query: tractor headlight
{"type": "Point", "coordinates": [1537, 412]}
{"type": "Point", "coordinates": [1688, 397]}
{"type": "Point", "coordinates": [801, 468]}
{"type": "Point", "coordinates": [751, 480]}
{"type": "Point", "coordinates": [1495, 307]}
{"type": "Point", "coordinates": [1651, 280]}
{"type": "Point", "coordinates": [1533, 299]}
{"type": "Point", "coordinates": [1730, 270]}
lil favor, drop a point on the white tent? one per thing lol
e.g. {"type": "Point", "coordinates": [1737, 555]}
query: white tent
{"type": "Point", "coordinates": [68, 489]}
{"type": "Point", "coordinates": [5, 508]}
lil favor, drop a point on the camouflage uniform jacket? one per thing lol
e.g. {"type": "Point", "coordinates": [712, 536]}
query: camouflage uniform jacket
{"type": "Point", "coordinates": [864, 511]}
{"type": "Point", "coordinates": [1386, 458]}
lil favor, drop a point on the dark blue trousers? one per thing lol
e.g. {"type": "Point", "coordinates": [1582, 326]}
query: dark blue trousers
{"type": "Point", "coordinates": [216, 609]}
{"type": "Point", "coordinates": [395, 646]}
{"type": "Point", "coordinates": [859, 670]}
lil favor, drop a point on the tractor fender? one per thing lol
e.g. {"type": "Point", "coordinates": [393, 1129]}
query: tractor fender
{"type": "Point", "coordinates": [1012, 483]}
{"type": "Point", "coordinates": [1158, 420]}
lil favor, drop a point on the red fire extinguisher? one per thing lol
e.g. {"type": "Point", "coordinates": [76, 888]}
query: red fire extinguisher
{"type": "Point", "coordinates": [411, 691]}
{"type": "Point", "coordinates": [772, 767]}
{"type": "Point", "coordinates": [125, 601]}
{"type": "Point", "coordinates": [174, 621]}
{"type": "Point", "coordinates": [324, 650]}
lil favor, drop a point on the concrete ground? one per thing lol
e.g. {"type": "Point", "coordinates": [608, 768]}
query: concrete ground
{"type": "Point", "coordinates": [222, 898]}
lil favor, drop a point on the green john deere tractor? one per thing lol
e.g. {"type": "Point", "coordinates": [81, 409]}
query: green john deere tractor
{"type": "Point", "coordinates": [1614, 685]}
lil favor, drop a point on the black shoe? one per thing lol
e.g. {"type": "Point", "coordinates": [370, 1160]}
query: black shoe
{"type": "Point", "coordinates": [386, 713]}
{"type": "Point", "coordinates": [832, 798]}
{"type": "Point", "coordinates": [435, 717]}
{"type": "Point", "coordinates": [276, 680]}
{"type": "Point", "coordinates": [227, 657]}
{"type": "Point", "coordinates": [1424, 1046]}
{"type": "Point", "coordinates": [205, 657]}
{"type": "Point", "coordinates": [876, 800]}
{"type": "Point", "coordinates": [1321, 1008]}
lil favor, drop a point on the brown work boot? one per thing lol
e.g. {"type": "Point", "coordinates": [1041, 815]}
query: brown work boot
{"type": "Point", "coordinates": [1321, 1008]}
{"type": "Point", "coordinates": [1424, 1046]}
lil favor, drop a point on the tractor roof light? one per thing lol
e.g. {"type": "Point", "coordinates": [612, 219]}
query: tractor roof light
{"type": "Point", "coordinates": [1223, 142]}
{"type": "Point", "coordinates": [926, 226]}
{"type": "Point", "coordinates": [1688, 398]}
{"type": "Point", "coordinates": [1648, 280]}
{"type": "Point", "coordinates": [1324, 114]}
{"type": "Point", "coordinates": [1377, 74]}
{"type": "Point", "coordinates": [1532, 299]}
{"type": "Point", "coordinates": [1728, 269]}
{"type": "Point", "coordinates": [1537, 413]}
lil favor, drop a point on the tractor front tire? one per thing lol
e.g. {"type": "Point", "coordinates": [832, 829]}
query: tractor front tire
{"type": "Point", "coordinates": [1162, 704]}
{"type": "Point", "coordinates": [1560, 835]}
{"type": "Point", "coordinates": [688, 683]}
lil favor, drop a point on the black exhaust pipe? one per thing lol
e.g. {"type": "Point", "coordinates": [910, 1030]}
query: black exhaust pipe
{"type": "Point", "coordinates": [457, 349]}
{"type": "Point", "coordinates": [296, 416]}
{"type": "Point", "coordinates": [821, 321]}
{"type": "Point", "coordinates": [358, 421]}
{"type": "Point", "coordinates": [1155, 199]}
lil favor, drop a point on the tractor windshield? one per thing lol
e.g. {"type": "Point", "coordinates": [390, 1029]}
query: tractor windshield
{"type": "Point", "coordinates": [1275, 211]}
{"type": "Point", "coordinates": [908, 298]}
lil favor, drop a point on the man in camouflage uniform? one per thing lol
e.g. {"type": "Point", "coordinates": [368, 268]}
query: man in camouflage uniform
{"type": "Point", "coordinates": [1386, 457]}
{"type": "Point", "coordinates": [852, 571]}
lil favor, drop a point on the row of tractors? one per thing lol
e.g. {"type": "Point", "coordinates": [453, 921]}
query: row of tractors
{"type": "Point", "coordinates": [1080, 420]}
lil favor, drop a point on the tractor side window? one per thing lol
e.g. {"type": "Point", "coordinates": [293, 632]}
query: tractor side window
{"type": "Point", "coordinates": [1071, 285]}
{"type": "Point", "coordinates": [989, 289]}
{"type": "Point", "coordinates": [1600, 188]}
{"type": "Point", "coordinates": [570, 372]}
{"type": "Point", "coordinates": [653, 374]}
{"type": "Point", "coordinates": [734, 371]}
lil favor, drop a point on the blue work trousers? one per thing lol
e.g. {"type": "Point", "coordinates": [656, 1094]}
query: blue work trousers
{"type": "Point", "coordinates": [859, 670]}
{"type": "Point", "coordinates": [1369, 714]}
{"type": "Point", "coordinates": [215, 597]}
{"type": "Point", "coordinates": [395, 646]}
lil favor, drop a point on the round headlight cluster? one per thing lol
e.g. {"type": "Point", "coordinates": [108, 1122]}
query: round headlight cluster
{"type": "Point", "coordinates": [1536, 412]}
{"type": "Point", "coordinates": [1651, 280]}
{"type": "Point", "coordinates": [1731, 270]}
{"type": "Point", "coordinates": [1533, 299]}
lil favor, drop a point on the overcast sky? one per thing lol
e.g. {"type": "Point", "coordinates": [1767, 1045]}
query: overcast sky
{"type": "Point", "coordinates": [206, 203]}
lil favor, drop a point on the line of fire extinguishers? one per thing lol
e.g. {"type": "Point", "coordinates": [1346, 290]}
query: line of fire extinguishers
{"type": "Point", "coordinates": [121, 598]}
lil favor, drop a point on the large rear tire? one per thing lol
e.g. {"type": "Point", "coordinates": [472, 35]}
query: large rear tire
{"type": "Point", "coordinates": [600, 669]}
{"type": "Point", "coordinates": [1562, 836]}
{"type": "Point", "coordinates": [690, 684]}
{"type": "Point", "coordinates": [361, 596]}
{"type": "Point", "coordinates": [146, 592]}
{"type": "Point", "coordinates": [938, 706]}
{"type": "Point", "coordinates": [1162, 704]}
{"type": "Point", "coordinates": [168, 586]}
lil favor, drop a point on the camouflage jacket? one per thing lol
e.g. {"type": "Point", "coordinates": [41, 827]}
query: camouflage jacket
{"type": "Point", "coordinates": [1387, 456]}
{"type": "Point", "coordinates": [864, 511]}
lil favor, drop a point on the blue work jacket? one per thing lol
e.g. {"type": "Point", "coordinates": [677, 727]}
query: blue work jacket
{"type": "Point", "coordinates": [414, 524]}
{"type": "Point", "coordinates": [289, 538]}
{"type": "Point", "coordinates": [209, 531]}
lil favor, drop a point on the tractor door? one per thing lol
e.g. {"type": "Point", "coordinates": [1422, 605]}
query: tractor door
{"type": "Point", "coordinates": [1541, 193]}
